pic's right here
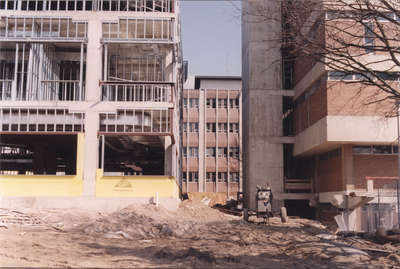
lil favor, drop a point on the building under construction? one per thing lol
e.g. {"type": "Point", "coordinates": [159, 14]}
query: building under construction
{"type": "Point", "coordinates": [89, 100]}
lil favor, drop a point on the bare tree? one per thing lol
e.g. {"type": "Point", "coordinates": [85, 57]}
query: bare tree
{"type": "Point", "coordinates": [359, 40]}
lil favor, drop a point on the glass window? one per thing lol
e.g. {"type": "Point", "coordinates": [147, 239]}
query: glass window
{"type": "Point", "coordinates": [234, 152]}
{"type": "Point", "coordinates": [389, 76]}
{"type": "Point", "coordinates": [210, 176]}
{"type": "Point", "coordinates": [222, 127]}
{"type": "Point", "coordinates": [337, 75]}
{"type": "Point", "coordinates": [185, 102]}
{"type": "Point", "coordinates": [233, 127]}
{"type": "Point", "coordinates": [234, 103]}
{"type": "Point", "coordinates": [362, 150]}
{"type": "Point", "coordinates": [222, 177]}
{"type": "Point", "coordinates": [210, 127]}
{"type": "Point", "coordinates": [222, 103]}
{"type": "Point", "coordinates": [222, 152]}
{"type": "Point", "coordinates": [382, 149]}
{"type": "Point", "coordinates": [193, 127]}
{"type": "Point", "coordinates": [210, 152]}
{"type": "Point", "coordinates": [234, 177]}
{"type": "Point", "coordinates": [193, 102]}
{"type": "Point", "coordinates": [369, 37]}
{"type": "Point", "coordinates": [211, 103]}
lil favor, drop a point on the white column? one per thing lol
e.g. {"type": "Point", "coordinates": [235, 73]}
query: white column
{"type": "Point", "coordinates": [202, 134]}
{"type": "Point", "coordinates": [92, 121]}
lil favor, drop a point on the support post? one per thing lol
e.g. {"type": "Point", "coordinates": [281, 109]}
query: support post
{"type": "Point", "coordinates": [81, 75]}
{"type": "Point", "coordinates": [15, 83]}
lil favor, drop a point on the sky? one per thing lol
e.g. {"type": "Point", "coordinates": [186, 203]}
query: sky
{"type": "Point", "coordinates": [211, 37]}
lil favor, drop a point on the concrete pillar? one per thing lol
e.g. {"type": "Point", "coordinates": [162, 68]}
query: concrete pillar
{"type": "Point", "coordinates": [202, 134]}
{"type": "Point", "coordinates": [93, 93]}
{"type": "Point", "coordinates": [91, 153]}
{"type": "Point", "coordinates": [262, 111]}
{"type": "Point", "coordinates": [93, 61]}
{"type": "Point", "coordinates": [168, 156]}
{"type": "Point", "coordinates": [347, 167]}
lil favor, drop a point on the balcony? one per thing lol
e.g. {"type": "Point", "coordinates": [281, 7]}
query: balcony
{"type": "Point", "coordinates": [138, 92]}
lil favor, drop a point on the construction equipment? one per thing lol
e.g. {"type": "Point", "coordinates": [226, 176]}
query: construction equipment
{"type": "Point", "coordinates": [264, 202]}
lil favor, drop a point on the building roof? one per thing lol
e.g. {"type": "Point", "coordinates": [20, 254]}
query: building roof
{"type": "Point", "coordinates": [197, 79]}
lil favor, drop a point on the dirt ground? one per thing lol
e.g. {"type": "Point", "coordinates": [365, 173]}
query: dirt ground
{"type": "Point", "coordinates": [196, 236]}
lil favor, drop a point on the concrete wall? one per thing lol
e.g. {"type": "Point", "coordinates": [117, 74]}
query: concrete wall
{"type": "Point", "coordinates": [262, 111]}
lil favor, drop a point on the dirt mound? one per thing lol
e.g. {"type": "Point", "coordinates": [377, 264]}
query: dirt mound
{"type": "Point", "coordinates": [142, 222]}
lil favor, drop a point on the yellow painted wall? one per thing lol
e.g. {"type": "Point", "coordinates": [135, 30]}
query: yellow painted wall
{"type": "Point", "coordinates": [136, 186]}
{"type": "Point", "coordinates": [46, 185]}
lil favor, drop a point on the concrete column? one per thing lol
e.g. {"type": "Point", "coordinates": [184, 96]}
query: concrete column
{"type": "Point", "coordinates": [202, 133]}
{"type": "Point", "coordinates": [168, 156]}
{"type": "Point", "coordinates": [93, 61]}
{"type": "Point", "coordinates": [93, 93]}
{"type": "Point", "coordinates": [262, 111]}
{"type": "Point", "coordinates": [347, 167]}
{"type": "Point", "coordinates": [91, 153]}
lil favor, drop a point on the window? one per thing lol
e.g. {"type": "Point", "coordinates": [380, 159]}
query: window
{"type": "Point", "coordinates": [234, 103]}
{"type": "Point", "coordinates": [369, 37]}
{"type": "Point", "coordinates": [193, 127]}
{"type": "Point", "coordinates": [185, 102]}
{"type": "Point", "coordinates": [210, 176]}
{"type": "Point", "coordinates": [193, 102]}
{"type": "Point", "coordinates": [362, 150]}
{"type": "Point", "coordinates": [234, 127]}
{"type": "Point", "coordinates": [211, 103]}
{"type": "Point", "coordinates": [234, 152]}
{"type": "Point", "coordinates": [210, 127]}
{"type": "Point", "coordinates": [337, 75]}
{"type": "Point", "coordinates": [222, 152]}
{"type": "Point", "coordinates": [222, 103]}
{"type": "Point", "coordinates": [193, 152]}
{"type": "Point", "coordinates": [375, 149]}
{"type": "Point", "coordinates": [388, 76]}
{"type": "Point", "coordinates": [222, 177]}
{"type": "Point", "coordinates": [222, 127]}
{"type": "Point", "coordinates": [382, 149]}
{"type": "Point", "coordinates": [210, 152]}
{"type": "Point", "coordinates": [234, 177]}
{"type": "Point", "coordinates": [193, 176]}
{"type": "Point", "coordinates": [386, 16]}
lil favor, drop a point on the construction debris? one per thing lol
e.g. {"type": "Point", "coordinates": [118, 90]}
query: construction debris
{"type": "Point", "coordinates": [194, 236]}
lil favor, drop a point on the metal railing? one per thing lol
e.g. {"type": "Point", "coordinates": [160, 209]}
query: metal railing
{"type": "Point", "coordinates": [115, 92]}
{"type": "Point", "coordinates": [62, 90]}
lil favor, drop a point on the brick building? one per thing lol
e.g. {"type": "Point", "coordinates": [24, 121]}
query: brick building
{"type": "Point", "coordinates": [343, 151]}
{"type": "Point", "coordinates": [212, 136]}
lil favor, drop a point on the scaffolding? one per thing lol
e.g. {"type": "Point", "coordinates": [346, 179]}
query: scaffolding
{"type": "Point", "coordinates": [88, 5]}
{"type": "Point", "coordinates": [41, 72]}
